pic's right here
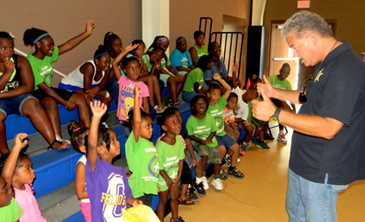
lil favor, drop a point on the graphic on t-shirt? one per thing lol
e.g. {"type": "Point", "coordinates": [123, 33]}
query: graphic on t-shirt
{"type": "Point", "coordinates": [10, 86]}
{"type": "Point", "coordinates": [126, 92]}
{"type": "Point", "coordinates": [218, 123]}
{"type": "Point", "coordinates": [48, 78]}
{"type": "Point", "coordinates": [153, 167]}
{"type": "Point", "coordinates": [114, 200]}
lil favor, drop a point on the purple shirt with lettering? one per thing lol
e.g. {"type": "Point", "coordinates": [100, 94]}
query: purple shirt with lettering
{"type": "Point", "coordinates": [108, 191]}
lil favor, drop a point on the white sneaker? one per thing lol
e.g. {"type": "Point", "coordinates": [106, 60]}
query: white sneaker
{"type": "Point", "coordinates": [217, 184]}
{"type": "Point", "coordinates": [205, 183]}
{"type": "Point", "coordinates": [58, 138]}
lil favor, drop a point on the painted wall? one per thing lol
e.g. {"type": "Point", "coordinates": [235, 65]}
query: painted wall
{"type": "Point", "coordinates": [349, 15]}
{"type": "Point", "coordinates": [66, 19]}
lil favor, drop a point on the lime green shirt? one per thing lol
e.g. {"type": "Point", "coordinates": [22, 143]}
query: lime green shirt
{"type": "Point", "coordinates": [202, 128]}
{"type": "Point", "coordinates": [196, 75]}
{"type": "Point", "coordinates": [277, 84]}
{"type": "Point", "coordinates": [144, 164]}
{"type": "Point", "coordinates": [42, 69]}
{"type": "Point", "coordinates": [216, 111]}
{"type": "Point", "coordinates": [169, 157]}
{"type": "Point", "coordinates": [11, 212]}
{"type": "Point", "coordinates": [199, 51]}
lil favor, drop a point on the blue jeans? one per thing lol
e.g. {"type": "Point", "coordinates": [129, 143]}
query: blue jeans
{"type": "Point", "coordinates": [309, 201]}
{"type": "Point", "coordinates": [188, 96]}
{"type": "Point", "coordinates": [113, 88]}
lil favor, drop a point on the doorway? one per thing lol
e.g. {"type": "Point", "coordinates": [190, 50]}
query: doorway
{"type": "Point", "coordinates": [280, 53]}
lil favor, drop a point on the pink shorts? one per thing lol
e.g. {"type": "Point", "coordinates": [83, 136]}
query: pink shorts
{"type": "Point", "coordinates": [86, 211]}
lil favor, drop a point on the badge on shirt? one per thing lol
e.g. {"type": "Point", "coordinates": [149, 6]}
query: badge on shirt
{"type": "Point", "coordinates": [320, 73]}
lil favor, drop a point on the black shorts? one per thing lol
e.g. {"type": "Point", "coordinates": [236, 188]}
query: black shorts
{"type": "Point", "coordinates": [186, 174]}
{"type": "Point", "coordinates": [64, 94]}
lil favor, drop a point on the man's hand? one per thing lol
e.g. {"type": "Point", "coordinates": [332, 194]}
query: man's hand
{"type": "Point", "coordinates": [263, 110]}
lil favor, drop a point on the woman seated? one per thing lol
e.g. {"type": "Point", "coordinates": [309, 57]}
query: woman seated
{"type": "Point", "coordinates": [16, 86]}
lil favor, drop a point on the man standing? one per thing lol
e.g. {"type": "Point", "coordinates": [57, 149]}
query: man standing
{"type": "Point", "coordinates": [280, 82]}
{"type": "Point", "coordinates": [327, 152]}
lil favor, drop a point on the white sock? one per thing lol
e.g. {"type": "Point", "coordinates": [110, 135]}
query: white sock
{"type": "Point", "coordinates": [198, 180]}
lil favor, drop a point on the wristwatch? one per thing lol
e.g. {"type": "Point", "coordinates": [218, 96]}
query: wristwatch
{"type": "Point", "coordinates": [275, 117]}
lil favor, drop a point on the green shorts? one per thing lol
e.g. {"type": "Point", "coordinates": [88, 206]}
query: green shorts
{"type": "Point", "coordinates": [212, 152]}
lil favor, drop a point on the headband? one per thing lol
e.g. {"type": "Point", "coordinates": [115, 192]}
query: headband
{"type": "Point", "coordinates": [40, 37]}
{"type": "Point", "coordinates": [180, 39]}
{"type": "Point", "coordinates": [77, 129]}
{"type": "Point", "coordinates": [163, 40]}
{"type": "Point", "coordinates": [100, 54]}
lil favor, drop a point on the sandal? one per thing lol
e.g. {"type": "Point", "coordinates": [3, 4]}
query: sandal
{"type": "Point", "coordinates": [59, 142]}
{"type": "Point", "coordinates": [187, 201]}
{"type": "Point", "coordinates": [160, 109]}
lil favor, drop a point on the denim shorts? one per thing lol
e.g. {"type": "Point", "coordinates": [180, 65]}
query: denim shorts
{"type": "Point", "coordinates": [14, 105]}
{"type": "Point", "coordinates": [188, 96]}
{"type": "Point", "coordinates": [225, 140]}
{"type": "Point", "coordinates": [188, 161]}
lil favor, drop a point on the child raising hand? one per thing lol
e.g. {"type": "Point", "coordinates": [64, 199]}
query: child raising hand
{"type": "Point", "coordinates": [106, 185]}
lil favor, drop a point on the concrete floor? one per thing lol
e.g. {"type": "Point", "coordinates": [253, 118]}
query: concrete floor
{"type": "Point", "coordinates": [260, 195]}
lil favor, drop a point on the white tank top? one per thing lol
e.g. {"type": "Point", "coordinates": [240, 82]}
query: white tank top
{"type": "Point", "coordinates": [83, 160]}
{"type": "Point", "coordinates": [76, 78]}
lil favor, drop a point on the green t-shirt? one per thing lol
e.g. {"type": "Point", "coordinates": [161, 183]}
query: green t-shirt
{"type": "Point", "coordinates": [143, 163]}
{"type": "Point", "coordinates": [277, 84]}
{"type": "Point", "coordinates": [217, 113]}
{"type": "Point", "coordinates": [196, 75]}
{"type": "Point", "coordinates": [42, 69]}
{"type": "Point", "coordinates": [147, 62]}
{"type": "Point", "coordinates": [250, 117]}
{"type": "Point", "coordinates": [199, 52]}
{"type": "Point", "coordinates": [11, 213]}
{"type": "Point", "coordinates": [202, 128]}
{"type": "Point", "coordinates": [169, 157]}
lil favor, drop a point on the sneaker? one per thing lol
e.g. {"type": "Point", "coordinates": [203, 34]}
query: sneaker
{"type": "Point", "coordinates": [281, 138]}
{"type": "Point", "coordinates": [235, 172]}
{"type": "Point", "coordinates": [178, 219]}
{"type": "Point", "coordinates": [268, 137]}
{"type": "Point", "coordinates": [263, 145]}
{"type": "Point", "coordinates": [223, 175]}
{"type": "Point", "coordinates": [217, 184]}
{"type": "Point", "coordinates": [205, 183]}
{"type": "Point", "coordinates": [199, 189]}
{"type": "Point", "coordinates": [238, 160]}
{"type": "Point", "coordinates": [192, 195]}
{"type": "Point", "coordinates": [228, 159]}
{"type": "Point", "coordinates": [243, 148]}
{"type": "Point", "coordinates": [255, 141]}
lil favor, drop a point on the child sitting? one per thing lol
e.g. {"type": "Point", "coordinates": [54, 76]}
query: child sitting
{"type": "Point", "coordinates": [168, 74]}
{"type": "Point", "coordinates": [141, 155]}
{"type": "Point", "coordinates": [18, 173]}
{"type": "Point", "coordinates": [170, 150]}
{"type": "Point", "coordinates": [180, 58]}
{"type": "Point", "coordinates": [202, 129]}
{"type": "Point", "coordinates": [90, 78]}
{"type": "Point", "coordinates": [194, 82]}
{"type": "Point", "coordinates": [250, 95]}
{"type": "Point", "coordinates": [228, 117]}
{"type": "Point", "coordinates": [217, 102]}
{"type": "Point", "coordinates": [78, 133]}
{"type": "Point", "coordinates": [131, 67]}
{"type": "Point", "coordinates": [198, 49]}
{"type": "Point", "coordinates": [150, 79]}
{"type": "Point", "coordinates": [107, 185]}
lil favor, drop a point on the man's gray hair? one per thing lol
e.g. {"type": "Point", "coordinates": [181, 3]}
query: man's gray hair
{"type": "Point", "coordinates": [304, 22]}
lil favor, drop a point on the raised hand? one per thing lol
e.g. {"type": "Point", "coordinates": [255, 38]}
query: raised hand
{"type": "Point", "coordinates": [90, 25]}
{"type": "Point", "coordinates": [131, 47]}
{"type": "Point", "coordinates": [235, 67]}
{"type": "Point", "coordinates": [20, 141]}
{"type": "Point", "coordinates": [264, 109]}
{"type": "Point", "coordinates": [216, 77]}
{"type": "Point", "coordinates": [98, 108]}
{"type": "Point", "coordinates": [136, 91]}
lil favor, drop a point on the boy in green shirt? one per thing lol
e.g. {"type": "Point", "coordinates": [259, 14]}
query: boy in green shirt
{"type": "Point", "coordinates": [217, 102]}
